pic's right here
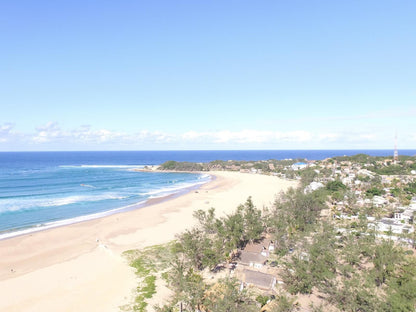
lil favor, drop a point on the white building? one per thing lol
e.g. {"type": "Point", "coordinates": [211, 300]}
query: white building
{"type": "Point", "coordinates": [299, 166]}
{"type": "Point", "coordinates": [313, 187]}
{"type": "Point", "coordinates": [394, 226]}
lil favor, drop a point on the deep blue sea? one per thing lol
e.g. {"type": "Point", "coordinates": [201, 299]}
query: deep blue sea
{"type": "Point", "coordinates": [40, 190]}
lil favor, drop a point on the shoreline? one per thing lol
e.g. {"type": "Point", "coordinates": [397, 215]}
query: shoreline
{"type": "Point", "coordinates": [80, 267]}
{"type": "Point", "coordinates": [84, 218]}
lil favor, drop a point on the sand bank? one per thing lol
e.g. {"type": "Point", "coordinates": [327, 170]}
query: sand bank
{"type": "Point", "coordinates": [79, 267]}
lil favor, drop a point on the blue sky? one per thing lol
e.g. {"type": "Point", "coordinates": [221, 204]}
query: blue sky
{"type": "Point", "coordinates": [156, 75]}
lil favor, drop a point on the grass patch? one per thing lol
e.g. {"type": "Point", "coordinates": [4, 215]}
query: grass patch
{"type": "Point", "coordinates": [150, 286]}
{"type": "Point", "coordinates": [145, 291]}
{"type": "Point", "coordinates": [149, 263]}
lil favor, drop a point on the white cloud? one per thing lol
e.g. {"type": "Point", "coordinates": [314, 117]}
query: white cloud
{"type": "Point", "coordinates": [329, 137]}
{"type": "Point", "coordinates": [6, 132]}
{"type": "Point", "coordinates": [53, 136]}
{"type": "Point", "coordinates": [193, 135]}
{"type": "Point", "coordinates": [149, 136]}
{"type": "Point", "coordinates": [49, 132]}
{"type": "Point", "coordinates": [87, 135]}
{"type": "Point", "coordinates": [347, 137]}
{"type": "Point", "coordinates": [6, 128]}
{"type": "Point", "coordinates": [247, 136]}
{"type": "Point", "coordinates": [295, 136]}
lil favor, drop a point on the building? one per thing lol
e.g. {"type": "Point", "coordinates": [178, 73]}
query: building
{"type": "Point", "coordinates": [258, 279]}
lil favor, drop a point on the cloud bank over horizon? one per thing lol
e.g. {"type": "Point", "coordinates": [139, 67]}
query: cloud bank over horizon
{"type": "Point", "coordinates": [51, 136]}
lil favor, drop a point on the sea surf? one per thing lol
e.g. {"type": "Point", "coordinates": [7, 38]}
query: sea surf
{"type": "Point", "coordinates": [38, 195]}
{"type": "Point", "coordinates": [40, 190]}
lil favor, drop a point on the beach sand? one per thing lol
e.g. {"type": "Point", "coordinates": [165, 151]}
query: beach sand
{"type": "Point", "coordinates": [79, 267]}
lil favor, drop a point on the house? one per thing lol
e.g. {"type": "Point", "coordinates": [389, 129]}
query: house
{"type": "Point", "coordinates": [391, 225]}
{"type": "Point", "coordinates": [252, 259]}
{"type": "Point", "coordinates": [256, 254]}
{"type": "Point", "coordinates": [406, 215]}
{"type": "Point", "coordinates": [313, 187]}
{"type": "Point", "coordinates": [264, 246]}
{"type": "Point", "coordinates": [258, 279]}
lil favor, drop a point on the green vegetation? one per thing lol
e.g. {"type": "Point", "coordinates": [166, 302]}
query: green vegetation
{"type": "Point", "coordinates": [265, 166]}
{"type": "Point", "coordinates": [307, 175]}
{"type": "Point", "coordinates": [335, 186]}
{"type": "Point", "coordinates": [294, 214]}
{"type": "Point", "coordinates": [150, 263]}
{"type": "Point", "coordinates": [181, 166]}
{"type": "Point", "coordinates": [344, 263]}
{"type": "Point", "coordinates": [410, 188]}
{"type": "Point", "coordinates": [214, 240]}
{"type": "Point", "coordinates": [145, 291]}
{"type": "Point", "coordinates": [374, 191]}
{"type": "Point", "coordinates": [359, 158]}
{"type": "Point", "coordinates": [353, 272]}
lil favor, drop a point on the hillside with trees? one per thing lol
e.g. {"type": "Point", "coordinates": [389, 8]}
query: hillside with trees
{"type": "Point", "coordinates": [329, 252]}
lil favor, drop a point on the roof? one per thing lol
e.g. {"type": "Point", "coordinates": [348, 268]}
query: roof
{"type": "Point", "coordinates": [258, 247]}
{"type": "Point", "coordinates": [251, 257]}
{"type": "Point", "coordinates": [259, 279]}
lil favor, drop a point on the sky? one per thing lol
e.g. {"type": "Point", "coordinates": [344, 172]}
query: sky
{"type": "Point", "coordinates": [207, 75]}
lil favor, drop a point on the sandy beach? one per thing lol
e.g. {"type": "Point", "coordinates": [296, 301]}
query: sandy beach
{"type": "Point", "coordinates": [79, 267]}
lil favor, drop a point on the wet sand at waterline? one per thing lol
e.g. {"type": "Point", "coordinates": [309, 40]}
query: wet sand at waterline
{"type": "Point", "coordinates": [79, 267]}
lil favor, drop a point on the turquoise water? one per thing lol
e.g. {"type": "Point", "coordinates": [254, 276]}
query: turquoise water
{"type": "Point", "coordinates": [36, 196]}
{"type": "Point", "coordinates": [39, 190]}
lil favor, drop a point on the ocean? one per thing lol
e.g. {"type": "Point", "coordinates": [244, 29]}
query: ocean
{"type": "Point", "coordinates": [40, 190]}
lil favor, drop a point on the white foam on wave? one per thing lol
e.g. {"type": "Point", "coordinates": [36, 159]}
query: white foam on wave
{"type": "Point", "coordinates": [81, 198]}
{"type": "Point", "coordinates": [10, 205]}
{"type": "Point", "coordinates": [162, 192]}
{"type": "Point", "coordinates": [204, 176]}
{"type": "Point", "coordinates": [54, 224]}
{"type": "Point", "coordinates": [104, 166]}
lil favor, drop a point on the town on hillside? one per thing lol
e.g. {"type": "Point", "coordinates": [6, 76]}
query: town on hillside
{"type": "Point", "coordinates": [382, 187]}
{"type": "Point", "coordinates": [344, 240]}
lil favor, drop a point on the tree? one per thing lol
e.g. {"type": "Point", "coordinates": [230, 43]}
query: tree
{"type": "Point", "coordinates": [307, 176]}
{"type": "Point", "coordinates": [188, 286]}
{"type": "Point", "coordinates": [354, 294]}
{"type": "Point", "coordinates": [225, 296]}
{"type": "Point", "coordinates": [322, 256]}
{"type": "Point", "coordinates": [314, 266]}
{"type": "Point", "coordinates": [293, 216]}
{"type": "Point", "coordinates": [200, 249]}
{"type": "Point", "coordinates": [284, 304]}
{"type": "Point", "coordinates": [240, 227]}
{"type": "Point", "coordinates": [233, 230]}
{"type": "Point", "coordinates": [336, 185]}
{"type": "Point", "coordinates": [206, 220]}
{"type": "Point", "coordinates": [298, 276]}
{"type": "Point", "coordinates": [253, 224]}
{"type": "Point", "coordinates": [386, 256]}
{"type": "Point", "coordinates": [374, 191]}
{"type": "Point", "coordinates": [401, 294]}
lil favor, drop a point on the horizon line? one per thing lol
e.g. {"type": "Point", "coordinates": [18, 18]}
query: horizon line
{"type": "Point", "coordinates": [208, 150]}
